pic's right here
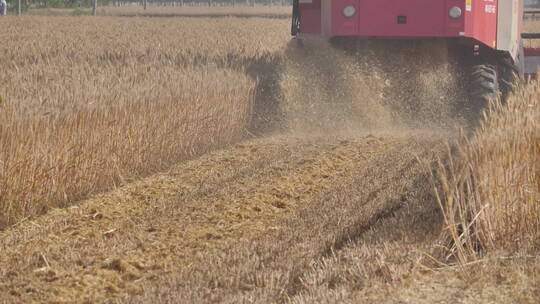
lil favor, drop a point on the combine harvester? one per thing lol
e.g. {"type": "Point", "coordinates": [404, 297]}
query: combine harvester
{"type": "Point", "coordinates": [485, 35]}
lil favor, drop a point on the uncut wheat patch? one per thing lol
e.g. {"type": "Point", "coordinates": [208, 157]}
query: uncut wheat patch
{"type": "Point", "coordinates": [88, 104]}
{"type": "Point", "coordinates": [491, 187]}
{"type": "Point", "coordinates": [54, 158]}
{"type": "Point", "coordinates": [179, 41]}
{"type": "Point", "coordinates": [194, 11]}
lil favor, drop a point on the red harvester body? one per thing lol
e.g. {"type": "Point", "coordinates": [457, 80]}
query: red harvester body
{"type": "Point", "coordinates": [488, 31]}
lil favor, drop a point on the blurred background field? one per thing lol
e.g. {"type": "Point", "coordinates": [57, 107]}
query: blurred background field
{"type": "Point", "coordinates": [273, 12]}
{"type": "Point", "coordinates": [154, 8]}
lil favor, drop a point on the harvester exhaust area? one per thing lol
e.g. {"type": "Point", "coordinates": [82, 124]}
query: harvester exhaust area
{"type": "Point", "coordinates": [484, 35]}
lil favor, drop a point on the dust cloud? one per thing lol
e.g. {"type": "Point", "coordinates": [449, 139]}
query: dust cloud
{"type": "Point", "coordinates": [372, 86]}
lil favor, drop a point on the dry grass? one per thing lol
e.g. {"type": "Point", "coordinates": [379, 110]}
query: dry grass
{"type": "Point", "coordinates": [87, 104]}
{"type": "Point", "coordinates": [243, 223]}
{"type": "Point", "coordinates": [491, 187]}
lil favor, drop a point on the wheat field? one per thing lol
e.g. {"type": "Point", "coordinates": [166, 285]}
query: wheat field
{"type": "Point", "coordinates": [271, 12]}
{"type": "Point", "coordinates": [490, 187]}
{"type": "Point", "coordinates": [90, 104]}
{"type": "Point", "coordinates": [136, 167]}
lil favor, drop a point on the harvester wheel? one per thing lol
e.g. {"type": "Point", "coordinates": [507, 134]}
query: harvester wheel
{"type": "Point", "coordinates": [510, 75]}
{"type": "Point", "coordinates": [484, 83]}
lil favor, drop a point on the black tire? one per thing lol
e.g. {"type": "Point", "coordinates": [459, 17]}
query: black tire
{"type": "Point", "coordinates": [484, 83]}
{"type": "Point", "coordinates": [295, 26]}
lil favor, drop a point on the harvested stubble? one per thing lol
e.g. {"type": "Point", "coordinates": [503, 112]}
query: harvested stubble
{"type": "Point", "coordinates": [491, 186]}
{"type": "Point", "coordinates": [87, 104]}
{"type": "Point", "coordinates": [237, 224]}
